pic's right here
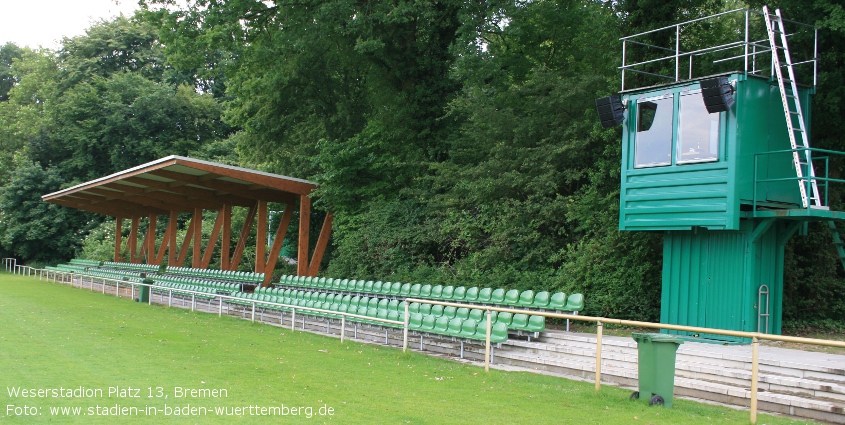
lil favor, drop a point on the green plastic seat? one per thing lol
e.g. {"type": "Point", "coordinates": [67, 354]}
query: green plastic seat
{"type": "Point", "coordinates": [321, 282]}
{"type": "Point", "coordinates": [497, 296]}
{"type": "Point", "coordinates": [394, 315]}
{"type": "Point", "coordinates": [394, 305]}
{"type": "Point", "coordinates": [504, 317]}
{"type": "Point", "coordinates": [471, 295]}
{"type": "Point", "coordinates": [520, 322]}
{"type": "Point", "coordinates": [477, 314]}
{"type": "Point", "coordinates": [427, 323]}
{"type": "Point", "coordinates": [557, 301]}
{"type": "Point", "coordinates": [454, 327]}
{"type": "Point", "coordinates": [425, 291]}
{"type": "Point", "coordinates": [405, 290]}
{"type": "Point", "coordinates": [355, 300]}
{"type": "Point", "coordinates": [498, 333]}
{"type": "Point", "coordinates": [414, 308]}
{"type": "Point", "coordinates": [536, 324]}
{"type": "Point", "coordinates": [368, 287]}
{"type": "Point", "coordinates": [462, 313]}
{"type": "Point", "coordinates": [395, 288]}
{"type": "Point", "coordinates": [575, 302]}
{"type": "Point", "coordinates": [450, 311]}
{"type": "Point", "coordinates": [437, 310]}
{"type": "Point", "coordinates": [378, 287]}
{"type": "Point", "coordinates": [541, 300]}
{"type": "Point", "coordinates": [360, 286]}
{"type": "Point", "coordinates": [484, 295]}
{"type": "Point", "coordinates": [415, 321]}
{"type": "Point", "coordinates": [343, 285]}
{"type": "Point", "coordinates": [459, 294]}
{"type": "Point", "coordinates": [321, 296]}
{"type": "Point", "coordinates": [382, 303]}
{"type": "Point", "coordinates": [469, 328]}
{"type": "Point", "coordinates": [437, 292]}
{"type": "Point", "coordinates": [347, 299]}
{"type": "Point", "coordinates": [415, 290]}
{"type": "Point", "coordinates": [441, 324]}
{"type": "Point", "coordinates": [364, 302]}
{"type": "Point", "coordinates": [425, 309]}
{"type": "Point", "coordinates": [511, 297]}
{"type": "Point", "coordinates": [448, 292]}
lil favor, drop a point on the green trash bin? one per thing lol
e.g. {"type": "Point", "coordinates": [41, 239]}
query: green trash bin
{"type": "Point", "coordinates": [656, 367]}
{"type": "Point", "coordinates": [142, 293]}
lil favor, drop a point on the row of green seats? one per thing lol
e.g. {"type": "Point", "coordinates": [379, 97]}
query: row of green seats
{"type": "Point", "coordinates": [519, 322]}
{"type": "Point", "coordinates": [179, 287]}
{"type": "Point", "coordinates": [525, 299]}
{"type": "Point", "coordinates": [217, 274]}
{"type": "Point", "coordinates": [113, 275]}
{"type": "Point", "coordinates": [381, 308]}
{"type": "Point", "coordinates": [219, 286]}
{"type": "Point", "coordinates": [147, 268]}
{"type": "Point", "coordinates": [71, 268]}
{"type": "Point", "coordinates": [457, 327]}
{"type": "Point", "coordinates": [86, 263]}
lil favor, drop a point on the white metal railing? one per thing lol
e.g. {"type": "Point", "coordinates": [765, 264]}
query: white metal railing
{"type": "Point", "coordinates": [599, 321]}
{"type": "Point", "coordinates": [10, 264]}
{"type": "Point", "coordinates": [746, 48]}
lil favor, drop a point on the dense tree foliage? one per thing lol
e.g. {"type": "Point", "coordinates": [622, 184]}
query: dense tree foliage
{"type": "Point", "coordinates": [456, 142]}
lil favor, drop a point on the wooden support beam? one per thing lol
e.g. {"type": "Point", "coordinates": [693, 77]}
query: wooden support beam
{"type": "Point", "coordinates": [278, 240]}
{"type": "Point", "coordinates": [196, 256]}
{"type": "Point", "coordinates": [304, 229]}
{"type": "Point", "coordinates": [261, 237]}
{"type": "Point", "coordinates": [133, 240]}
{"type": "Point", "coordinates": [212, 241]}
{"type": "Point", "coordinates": [227, 237]}
{"type": "Point", "coordinates": [322, 242]}
{"type": "Point", "coordinates": [118, 230]}
{"type": "Point", "coordinates": [151, 239]}
{"type": "Point", "coordinates": [165, 242]}
{"type": "Point", "coordinates": [239, 248]}
{"type": "Point", "coordinates": [183, 251]}
{"type": "Point", "coordinates": [171, 241]}
{"type": "Point", "coordinates": [144, 244]}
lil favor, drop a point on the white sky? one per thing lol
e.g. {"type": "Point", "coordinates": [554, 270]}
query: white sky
{"type": "Point", "coordinates": [43, 23]}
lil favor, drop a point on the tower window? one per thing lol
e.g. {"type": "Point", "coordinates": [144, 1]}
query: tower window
{"type": "Point", "coordinates": [654, 132]}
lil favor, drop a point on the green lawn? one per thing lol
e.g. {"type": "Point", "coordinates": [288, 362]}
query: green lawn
{"type": "Point", "coordinates": [52, 336]}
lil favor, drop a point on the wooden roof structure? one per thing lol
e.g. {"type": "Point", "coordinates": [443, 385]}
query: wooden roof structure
{"type": "Point", "coordinates": [174, 184]}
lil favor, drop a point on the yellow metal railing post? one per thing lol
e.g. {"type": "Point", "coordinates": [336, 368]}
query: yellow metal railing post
{"type": "Point", "coordinates": [598, 354]}
{"type": "Point", "coordinates": [755, 346]}
{"type": "Point", "coordinates": [487, 330]}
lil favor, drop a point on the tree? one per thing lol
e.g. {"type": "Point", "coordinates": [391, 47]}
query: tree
{"type": "Point", "coordinates": [34, 230]}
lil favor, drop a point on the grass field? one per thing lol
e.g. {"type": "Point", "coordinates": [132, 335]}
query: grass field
{"type": "Point", "coordinates": [52, 336]}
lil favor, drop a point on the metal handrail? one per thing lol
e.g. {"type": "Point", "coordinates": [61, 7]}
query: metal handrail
{"type": "Point", "coordinates": [600, 322]}
{"type": "Point", "coordinates": [676, 54]}
{"type": "Point", "coordinates": [807, 180]}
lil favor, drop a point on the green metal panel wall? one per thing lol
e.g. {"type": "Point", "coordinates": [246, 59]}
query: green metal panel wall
{"type": "Point", "coordinates": [761, 127]}
{"type": "Point", "coordinates": [711, 278]}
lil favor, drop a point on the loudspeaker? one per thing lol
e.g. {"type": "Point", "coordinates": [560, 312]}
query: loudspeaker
{"type": "Point", "coordinates": [610, 111]}
{"type": "Point", "coordinates": [718, 94]}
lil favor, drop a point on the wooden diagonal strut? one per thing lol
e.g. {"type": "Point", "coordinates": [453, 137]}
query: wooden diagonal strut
{"type": "Point", "coordinates": [196, 256]}
{"type": "Point", "coordinates": [239, 249]}
{"type": "Point", "coordinates": [118, 230]}
{"type": "Point", "coordinates": [227, 237]}
{"type": "Point", "coordinates": [304, 229]}
{"type": "Point", "coordinates": [212, 241]}
{"type": "Point", "coordinates": [322, 242]}
{"type": "Point", "coordinates": [260, 236]}
{"type": "Point", "coordinates": [165, 242]}
{"type": "Point", "coordinates": [183, 252]}
{"type": "Point", "coordinates": [278, 240]}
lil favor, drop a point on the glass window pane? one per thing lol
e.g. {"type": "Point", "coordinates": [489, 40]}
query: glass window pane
{"type": "Point", "coordinates": [698, 134]}
{"type": "Point", "coordinates": [654, 133]}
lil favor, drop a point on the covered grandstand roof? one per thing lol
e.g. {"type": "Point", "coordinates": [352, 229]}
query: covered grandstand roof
{"type": "Point", "coordinates": [177, 183]}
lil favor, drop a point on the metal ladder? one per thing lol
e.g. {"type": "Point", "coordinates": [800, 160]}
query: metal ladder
{"type": "Point", "coordinates": [801, 156]}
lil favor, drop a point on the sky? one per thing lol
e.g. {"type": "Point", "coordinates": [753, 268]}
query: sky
{"type": "Point", "coordinates": [43, 23]}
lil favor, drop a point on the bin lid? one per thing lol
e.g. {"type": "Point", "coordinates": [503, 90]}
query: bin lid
{"type": "Point", "coordinates": [655, 337]}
